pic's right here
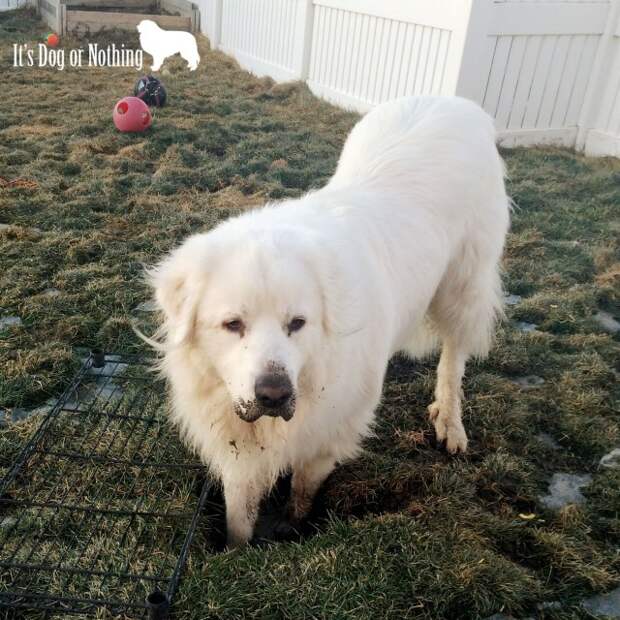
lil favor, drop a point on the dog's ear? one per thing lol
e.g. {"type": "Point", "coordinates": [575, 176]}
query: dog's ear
{"type": "Point", "coordinates": [339, 314]}
{"type": "Point", "coordinates": [179, 281]}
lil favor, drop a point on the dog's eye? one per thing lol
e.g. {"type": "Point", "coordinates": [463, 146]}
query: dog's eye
{"type": "Point", "coordinates": [235, 325]}
{"type": "Point", "coordinates": [296, 324]}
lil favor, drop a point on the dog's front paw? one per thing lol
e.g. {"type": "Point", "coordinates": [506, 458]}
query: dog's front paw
{"type": "Point", "coordinates": [448, 428]}
{"type": "Point", "coordinates": [232, 541]}
{"type": "Point", "coordinates": [286, 531]}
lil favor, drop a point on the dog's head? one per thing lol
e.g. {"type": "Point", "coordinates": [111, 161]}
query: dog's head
{"type": "Point", "coordinates": [146, 26]}
{"type": "Point", "coordinates": [253, 309]}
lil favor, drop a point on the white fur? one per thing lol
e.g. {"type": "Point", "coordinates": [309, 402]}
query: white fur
{"type": "Point", "coordinates": [161, 44]}
{"type": "Point", "coordinates": [400, 251]}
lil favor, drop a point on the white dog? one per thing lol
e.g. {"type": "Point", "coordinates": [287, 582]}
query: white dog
{"type": "Point", "coordinates": [161, 44]}
{"type": "Point", "coordinates": [279, 324]}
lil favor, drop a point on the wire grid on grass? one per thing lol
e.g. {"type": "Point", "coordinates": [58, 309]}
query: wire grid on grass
{"type": "Point", "coordinates": [100, 507]}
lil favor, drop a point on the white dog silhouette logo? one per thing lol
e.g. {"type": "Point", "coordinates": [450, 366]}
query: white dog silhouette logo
{"type": "Point", "coordinates": [161, 44]}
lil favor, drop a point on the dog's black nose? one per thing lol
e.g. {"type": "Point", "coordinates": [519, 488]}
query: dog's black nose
{"type": "Point", "coordinates": [273, 390]}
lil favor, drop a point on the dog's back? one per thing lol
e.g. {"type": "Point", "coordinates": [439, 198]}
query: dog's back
{"type": "Point", "coordinates": [414, 131]}
{"type": "Point", "coordinates": [430, 157]}
{"type": "Point", "coordinates": [438, 180]}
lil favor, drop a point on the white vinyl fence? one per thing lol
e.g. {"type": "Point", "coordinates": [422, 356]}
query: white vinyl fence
{"type": "Point", "coordinates": [546, 70]}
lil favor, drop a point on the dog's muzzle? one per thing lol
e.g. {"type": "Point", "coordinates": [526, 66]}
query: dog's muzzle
{"type": "Point", "coordinates": [274, 397]}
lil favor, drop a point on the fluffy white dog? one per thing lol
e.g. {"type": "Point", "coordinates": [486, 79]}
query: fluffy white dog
{"type": "Point", "coordinates": [161, 44]}
{"type": "Point", "coordinates": [279, 324]}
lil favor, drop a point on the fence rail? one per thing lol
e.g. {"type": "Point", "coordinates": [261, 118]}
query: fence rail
{"type": "Point", "coordinates": [546, 70]}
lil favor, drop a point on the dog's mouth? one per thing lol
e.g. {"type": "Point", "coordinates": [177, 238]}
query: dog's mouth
{"type": "Point", "coordinates": [250, 411]}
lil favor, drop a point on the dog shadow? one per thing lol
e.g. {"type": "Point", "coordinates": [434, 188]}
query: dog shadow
{"type": "Point", "coordinates": [272, 525]}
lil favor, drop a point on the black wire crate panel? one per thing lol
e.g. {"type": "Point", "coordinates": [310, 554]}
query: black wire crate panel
{"type": "Point", "coordinates": [99, 508]}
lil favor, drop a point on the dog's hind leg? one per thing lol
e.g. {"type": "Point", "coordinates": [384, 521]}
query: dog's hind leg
{"type": "Point", "coordinates": [445, 411]}
{"type": "Point", "coordinates": [465, 311]}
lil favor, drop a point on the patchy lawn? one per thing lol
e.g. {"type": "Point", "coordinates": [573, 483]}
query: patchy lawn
{"type": "Point", "coordinates": [408, 531]}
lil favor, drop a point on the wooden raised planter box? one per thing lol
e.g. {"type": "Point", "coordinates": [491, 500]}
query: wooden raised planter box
{"type": "Point", "coordinates": [91, 16]}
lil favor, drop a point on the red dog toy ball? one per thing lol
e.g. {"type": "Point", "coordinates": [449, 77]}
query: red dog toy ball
{"type": "Point", "coordinates": [52, 39]}
{"type": "Point", "coordinates": [131, 114]}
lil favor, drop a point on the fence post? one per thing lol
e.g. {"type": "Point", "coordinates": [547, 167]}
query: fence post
{"type": "Point", "coordinates": [303, 38]}
{"type": "Point", "coordinates": [472, 54]}
{"type": "Point", "coordinates": [62, 19]}
{"type": "Point", "coordinates": [599, 78]}
{"type": "Point", "coordinates": [216, 32]}
{"type": "Point", "coordinates": [475, 54]}
{"type": "Point", "coordinates": [210, 16]}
